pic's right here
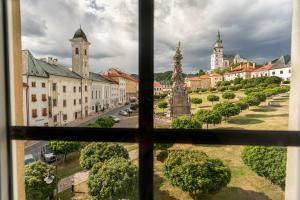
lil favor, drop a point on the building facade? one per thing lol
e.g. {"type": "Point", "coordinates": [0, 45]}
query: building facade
{"type": "Point", "coordinates": [242, 71]}
{"type": "Point", "coordinates": [281, 67]}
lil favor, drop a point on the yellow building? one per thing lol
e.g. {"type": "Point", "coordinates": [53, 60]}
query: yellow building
{"type": "Point", "coordinates": [214, 78]}
{"type": "Point", "coordinates": [198, 82]}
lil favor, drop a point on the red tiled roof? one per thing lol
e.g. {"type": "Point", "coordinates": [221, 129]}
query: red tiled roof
{"type": "Point", "coordinates": [156, 84]}
{"type": "Point", "coordinates": [263, 68]}
{"type": "Point", "coordinates": [110, 79]}
{"type": "Point", "coordinates": [198, 78]}
{"type": "Point", "coordinates": [113, 72]}
{"type": "Point", "coordinates": [241, 68]}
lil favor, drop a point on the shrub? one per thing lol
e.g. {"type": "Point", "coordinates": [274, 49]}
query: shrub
{"type": "Point", "coordinates": [259, 95]}
{"type": "Point", "coordinates": [208, 117]}
{"type": "Point", "coordinates": [35, 186]}
{"type": "Point", "coordinates": [194, 172]}
{"type": "Point", "coordinates": [162, 146]}
{"type": "Point", "coordinates": [251, 100]}
{"type": "Point", "coordinates": [64, 147]}
{"type": "Point", "coordinates": [228, 95]}
{"type": "Point", "coordinates": [242, 104]}
{"type": "Point", "coordinates": [227, 109]}
{"type": "Point", "coordinates": [116, 178]}
{"type": "Point", "coordinates": [213, 98]}
{"type": "Point", "coordinates": [134, 106]}
{"type": "Point", "coordinates": [287, 82]}
{"type": "Point", "coordinates": [251, 90]}
{"type": "Point", "coordinates": [237, 81]}
{"type": "Point", "coordinates": [162, 105]}
{"type": "Point", "coordinates": [212, 89]}
{"type": "Point", "coordinates": [273, 80]}
{"type": "Point", "coordinates": [268, 162]}
{"type": "Point", "coordinates": [186, 122]}
{"type": "Point", "coordinates": [105, 122]}
{"type": "Point", "coordinates": [99, 152]}
{"type": "Point", "coordinates": [222, 88]}
{"type": "Point", "coordinates": [93, 125]}
{"type": "Point", "coordinates": [196, 100]}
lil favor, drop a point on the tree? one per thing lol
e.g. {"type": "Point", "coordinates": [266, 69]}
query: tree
{"type": "Point", "coordinates": [93, 125]}
{"type": "Point", "coordinates": [64, 147]}
{"type": "Point", "coordinates": [227, 109]}
{"type": "Point", "coordinates": [209, 117]}
{"type": "Point", "coordinates": [273, 80]}
{"type": "Point", "coordinates": [251, 100]}
{"type": "Point", "coordinates": [237, 81]}
{"type": "Point", "coordinates": [162, 105]}
{"type": "Point", "coordinates": [228, 95]}
{"type": "Point", "coordinates": [194, 172]}
{"type": "Point", "coordinates": [116, 178]}
{"type": "Point", "coordinates": [134, 106]}
{"type": "Point", "coordinates": [242, 104]}
{"type": "Point", "coordinates": [200, 72]}
{"type": "Point", "coordinates": [99, 152]}
{"type": "Point", "coordinates": [35, 186]}
{"type": "Point", "coordinates": [259, 95]}
{"type": "Point", "coordinates": [269, 162]}
{"type": "Point", "coordinates": [212, 98]}
{"type": "Point", "coordinates": [196, 100]}
{"type": "Point", "coordinates": [186, 122]}
{"type": "Point", "coordinates": [105, 122]}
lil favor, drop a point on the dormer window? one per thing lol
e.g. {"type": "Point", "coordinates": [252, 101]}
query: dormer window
{"type": "Point", "coordinates": [76, 51]}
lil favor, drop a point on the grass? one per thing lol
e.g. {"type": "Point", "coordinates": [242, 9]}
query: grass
{"type": "Point", "coordinates": [70, 166]}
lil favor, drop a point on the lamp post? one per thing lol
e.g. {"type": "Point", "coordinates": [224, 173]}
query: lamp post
{"type": "Point", "coordinates": [50, 178]}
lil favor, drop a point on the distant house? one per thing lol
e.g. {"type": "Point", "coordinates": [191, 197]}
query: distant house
{"type": "Point", "coordinates": [214, 78]}
{"type": "Point", "coordinates": [281, 67]}
{"type": "Point", "coordinates": [198, 82]}
{"type": "Point", "coordinates": [262, 71]}
{"type": "Point", "coordinates": [242, 71]}
{"type": "Point", "coordinates": [157, 88]}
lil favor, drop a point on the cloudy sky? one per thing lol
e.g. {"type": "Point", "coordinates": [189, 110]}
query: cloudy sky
{"type": "Point", "coordinates": [256, 29]}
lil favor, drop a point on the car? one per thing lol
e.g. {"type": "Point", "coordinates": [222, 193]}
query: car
{"type": "Point", "coordinates": [47, 155]}
{"type": "Point", "coordinates": [115, 118]}
{"type": "Point", "coordinates": [128, 110]}
{"type": "Point", "coordinates": [123, 112]}
{"type": "Point", "coordinates": [28, 159]}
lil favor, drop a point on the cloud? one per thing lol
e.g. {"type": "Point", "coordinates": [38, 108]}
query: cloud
{"type": "Point", "coordinates": [258, 30]}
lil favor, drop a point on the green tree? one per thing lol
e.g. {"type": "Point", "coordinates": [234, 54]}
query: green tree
{"type": "Point", "coordinates": [259, 95]}
{"type": "Point", "coordinates": [209, 117]}
{"type": "Point", "coordinates": [196, 100]}
{"type": "Point", "coordinates": [212, 98]}
{"type": "Point", "coordinates": [116, 178]}
{"type": "Point", "coordinates": [227, 109]}
{"type": "Point", "coordinates": [242, 104]}
{"type": "Point", "coordinates": [64, 147]}
{"type": "Point", "coordinates": [251, 100]}
{"type": "Point", "coordinates": [194, 172]}
{"type": "Point", "coordinates": [268, 162]}
{"type": "Point", "coordinates": [186, 122]}
{"type": "Point", "coordinates": [200, 72]}
{"type": "Point", "coordinates": [105, 122]}
{"type": "Point", "coordinates": [99, 152]}
{"type": "Point", "coordinates": [134, 106]}
{"type": "Point", "coordinates": [237, 81]}
{"type": "Point", "coordinates": [273, 80]}
{"type": "Point", "coordinates": [35, 186]}
{"type": "Point", "coordinates": [162, 105]}
{"type": "Point", "coordinates": [228, 95]}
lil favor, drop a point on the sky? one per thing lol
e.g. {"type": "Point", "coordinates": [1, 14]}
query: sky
{"type": "Point", "coordinates": [259, 30]}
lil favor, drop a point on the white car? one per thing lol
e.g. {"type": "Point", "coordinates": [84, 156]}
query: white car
{"type": "Point", "coordinates": [123, 112]}
{"type": "Point", "coordinates": [116, 119]}
{"type": "Point", "coordinates": [28, 159]}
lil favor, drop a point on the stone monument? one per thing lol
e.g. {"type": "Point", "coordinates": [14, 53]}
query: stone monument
{"type": "Point", "coordinates": [179, 102]}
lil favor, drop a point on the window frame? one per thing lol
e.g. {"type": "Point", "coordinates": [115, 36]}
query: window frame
{"type": "Point", "coordinates": [145, 134]}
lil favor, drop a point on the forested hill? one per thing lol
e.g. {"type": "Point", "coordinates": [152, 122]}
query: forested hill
{"type": "Point", "coordinates": [165, 77]}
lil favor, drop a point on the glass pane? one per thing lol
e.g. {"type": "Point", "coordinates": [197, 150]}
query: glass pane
{"type": "Point", "coordinates": [75, 69]}
{"type": "Point", "coordinates": [219, 69]}
{"type": "Point", "coordinates": [82, 172]}
{"type": "Point", "coordinates": [219, 172]}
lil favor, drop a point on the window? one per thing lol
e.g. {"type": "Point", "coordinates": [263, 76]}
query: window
{"type": "Point", "coordinates": [79, 101]}
{"type": "Point", "coordinates": [54, 102]}
{"type": "Point", "coordinates": [76, 51]}
{"type": "Point", "coordinates": [44, 97]}
{"type": "Point", "coordinates": [79, 89]}
{"type": "Point", "coordinates": [74, 89]}
{"type": "Point", "coordinates": [86, 88]}
{"type": "Point", "coordinates": [33, 84]}
{"type": "Point", "coordinates": [33, 98]}
{"type": "Point", "coordinates": [74, 102]}
{"type": "Point", "coordinates": [273, 73]}
{"type": "Point", "coordinates": [64, 103]}
{"type": "Point", "coordinates": [92, 107]}
{"type": "Point", "coordinates": [34, 113]}
{"type": "Point", "coordinates": [289, 71]}
{"type": "Point", "coordinates": [53, 86]}
{"type": "Point", "coordinates": [85, 53]}
{"type": "Point", "coordinates": [93, 94]}
{"type": "Point", "coordinates": [281, 72]}
{"type": "Point", "coordinates": [43, 85]}
{"type": "Point", "coordinates": [64, 89]}
{"type": "Point", "coordinates": [65, 117]}
{"type": "Point", "coordinates": [86, 99]}
{"type": "Point", "coordinates": [44, 112]}
{"type": "Point", "coordinates": [55, 118]}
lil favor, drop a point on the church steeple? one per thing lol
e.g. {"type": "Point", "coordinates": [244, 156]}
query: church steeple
{"type": "Point", "coordinates": [219, 37]}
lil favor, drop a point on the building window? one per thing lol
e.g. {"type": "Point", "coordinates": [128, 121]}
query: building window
{"type": "Point", "coordinates": [55, 118]}
{"type": "Point", "coordinates": [85, 88]}
{"type": "Point", "coordinates": [74, 102]}
{"type": "Point", "coordinates": [289, 71]}
{"type": "Point", "coordinates": [86, 99]}
{"type": "Point", "coordinates": [74, 89]}
{"type": "Point", "coordinates": [44, 98]}
{"type": "Point", "coordinates": [64, 103]}
{"type": "Point", "coordinates": [281, 72]}
{"type": "Point", "coordinates": [85, 52]}
{"type": "Point", "coordinates": [43, 85]}
{"type": "Point", "coordinates": [273, 73]}
{"type": "Point", "coordinates": [92, 107]}
{"type": "Point", "coordinates": [79, 101]}
{"type": "Point", "coordinates": [33, 98]}
{"type": "Point", "coordinates": [34, 113]}
{"type": "Point", "coordinates": [64, 89]}
{"type": "Point", "coordinates": [44, 112]}
{"type": "Point", "coordinates": [79, 89]}
{"type": "Point", "coordinates": [53, 86]}
{"type": "Point", "coordinates": [33, 84]}
{"type": "Point", "coordinates": [76, 51]}
{"type": "Point", "coordinates": [54, 102]}
{"type": "Point", "coordinates": [65, 117]}
{"type": "Point", "coordinates": [93, 95]}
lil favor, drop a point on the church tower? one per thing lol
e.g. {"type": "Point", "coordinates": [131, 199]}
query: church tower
{"type": "Point", "coordinates": [217, 56]}
{"type": "Point", "coordinates": [80, 53]}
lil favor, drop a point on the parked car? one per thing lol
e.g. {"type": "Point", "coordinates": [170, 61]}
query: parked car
{"type": "Point", "coordinates": [116, 119]}
{"type": "Point", "coordinates": [28, 159]}
{"type": "Point", "coordinates": [123, 112]}
{"type": "Point", "coordinates": [47, 155]}
{"type": "Point", "coordinates": [128, 110]}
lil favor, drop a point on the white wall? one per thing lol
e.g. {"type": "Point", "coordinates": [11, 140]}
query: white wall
{"type": "Point", "coordinates": [284, 73]}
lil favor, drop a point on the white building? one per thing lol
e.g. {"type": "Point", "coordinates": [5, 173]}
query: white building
{"type": "Point", "coordinates": [262, 71]}
{"type": "Point", "coordinates": [281, 67]}
{"type": "Point", "coordinates": [242, 71]}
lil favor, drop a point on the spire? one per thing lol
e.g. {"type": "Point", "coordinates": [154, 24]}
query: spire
{"type": "Point", "coordinates": [219, 37]}
{"type": "Point", "coordinates": [177, 72]}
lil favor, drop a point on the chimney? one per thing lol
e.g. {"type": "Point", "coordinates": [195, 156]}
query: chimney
{"type": "Point", "coordinates": [50, 60]}
{"type": "Point", "coordinates": [55, 61]}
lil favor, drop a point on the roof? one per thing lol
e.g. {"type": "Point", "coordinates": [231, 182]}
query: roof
{"type": "Point", "coordinates": [241, 68]}
{"type": "Point", "coordinates": [110, 79]}
{"type": "Point", "coordinates": [80, 34]}
{"type": "Point", "coordinates": [281, 62]}
{"type": "Point", "coordinates": [98, 77]}
{"type": "Point", "coordinates": [34, 69]}
{"type": "Point", "coordinates": [156, 84]}
{"type": "Point", "coordinates": [198, 78]}
{"type": "Point", "coordinates": [113, 72]}
{"type": "Point", "coordinates": [215, 74]}
{"type": "Point", "coordinates": [263, 68]}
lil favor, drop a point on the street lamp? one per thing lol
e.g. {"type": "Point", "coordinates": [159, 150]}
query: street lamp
{"type": "Point", "coordinates": [50, 179]}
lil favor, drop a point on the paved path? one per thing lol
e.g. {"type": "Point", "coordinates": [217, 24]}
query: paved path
{"type": "Point", "coordinates": [82, 176]}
